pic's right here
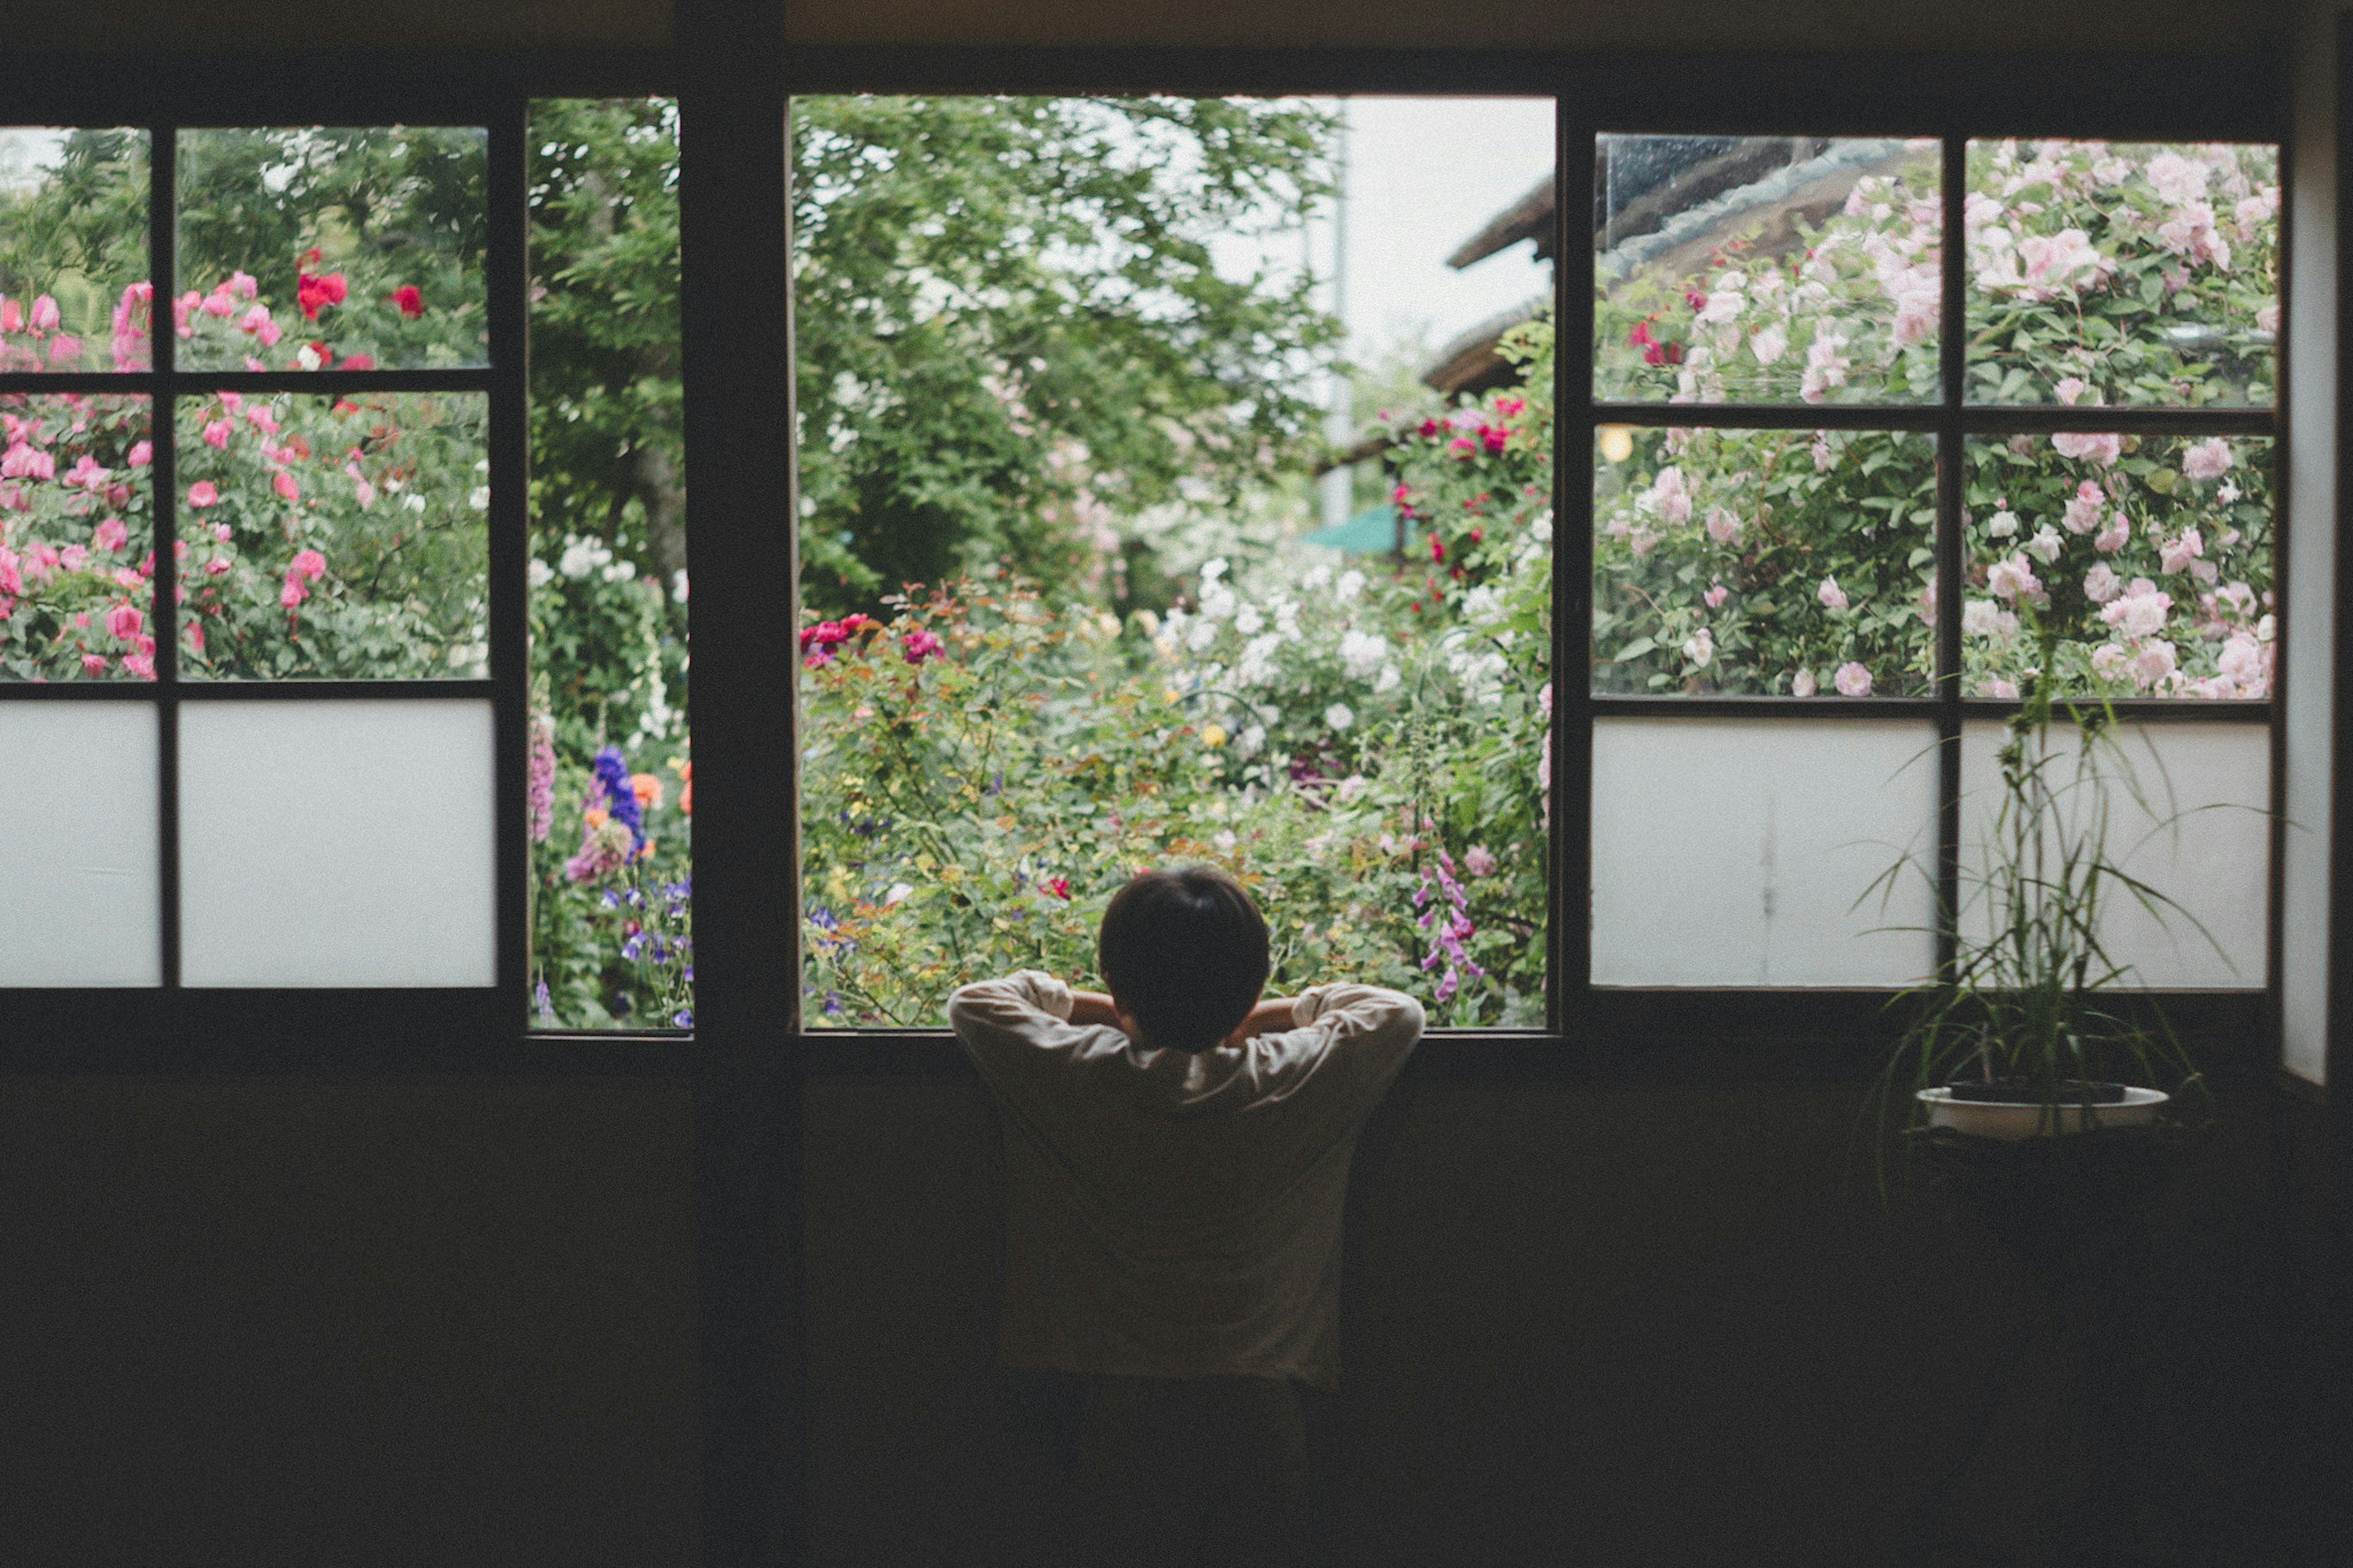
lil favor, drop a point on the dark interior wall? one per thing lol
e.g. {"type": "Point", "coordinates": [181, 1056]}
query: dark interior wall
{"type": "Point", "coordinates": [1621, 1326]}
{"type": "Point", "coordinates": [296, 1324]}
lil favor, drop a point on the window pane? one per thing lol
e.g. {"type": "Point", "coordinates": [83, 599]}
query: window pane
{"type": "Point", "coordinates": [336, 844]}
{"type": "Point", "coordinates": [2189, 816]}
{"type": "Point", "coordinates": [1145, 631]}
{"type": "Point", "coordinates": [2132, 273]}
{"type": "Point", "coordinates": [342, 538]}
{"type": "Point", "coordinates": [1744, 852]}
{"type": "Point", "coordinates": [77, 551]}
{"type": "Point", "coordinates": [78, 867]}
{"type": "Point", "coordinates": [74, 294]}
{"type": "Point", "coordinates": [1765, 269]}
{"type": "Point", "coordinates": [2148, 558]}
{"type": "Point", "coordinates": [1771, 562]}
{"type": "Point", "coordinates": [612, 760]}
{"type": "Point", "coordinates": [332, 247]}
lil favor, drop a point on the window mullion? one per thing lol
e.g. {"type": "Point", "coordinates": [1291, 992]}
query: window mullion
{"type": "Point", "coordinates": [1570, 919]}
{"type": "Point", "coordinates": [1953, 353]}
{"type": "Point", "coordinates": [162, 268]}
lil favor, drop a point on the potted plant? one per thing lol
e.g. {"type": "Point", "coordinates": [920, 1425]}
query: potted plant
{"type": "Point", "coordinates": [2034, 1029]}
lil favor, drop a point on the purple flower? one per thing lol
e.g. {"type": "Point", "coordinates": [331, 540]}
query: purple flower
{"type": "Point", "coordinates": [543, 777]}
{"type": "Point", "coordinates": [620, 796]}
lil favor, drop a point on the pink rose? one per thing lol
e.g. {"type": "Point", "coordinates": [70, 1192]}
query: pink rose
{"type": "Point", "coordinates": [202, 493]}
{"type": "Point", "coordinates": [2101, 450]}
{"type": "Point", "coordinates": [1722, 526]}
{"type": "Point", "coordinates": [2111, 538]}
{"type": "Point", "coordinates": [93, 663]}
{"type": "Point", "coordinates": [285, 486]}
{"type": "Point", "coordinates": [1716, 596]}
{"type": "Point", "coordinates": [2209, 459]}
{"type": "Point", "coordinates": [44, 314]}
{"type": "Point", "coordinates": [2175, 555]}
{"type": "Point", "coordinates": [72, 557]}
{"type": "Point", "coordinates": [124, 621]}
{"type": "Point", "coordinates": [111, 534]}
{"type": "Point", "coordinates": [217, 433]}
{"type": "Point", "coordinates": [307, 564]}
{"type": "Point", "coordinates": [1853, 680]}
{"type": "Point", "coordinates": [142, 454]}
{"type": "Point", "coordinates": [1802, 684]}
{"type": "Point", "coordinates": [293, 592]}
{"type": "Point", "coordinates": [1477, 861]}
{"type": "Point", "coordinates": [1833, 597]}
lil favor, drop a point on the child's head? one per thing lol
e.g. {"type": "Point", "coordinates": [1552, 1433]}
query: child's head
{"type": "Point", "coordinates": [1185, 955]}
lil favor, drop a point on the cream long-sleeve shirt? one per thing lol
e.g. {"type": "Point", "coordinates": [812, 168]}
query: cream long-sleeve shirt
{"type": "Point", "coordinates": [1171, 1215]}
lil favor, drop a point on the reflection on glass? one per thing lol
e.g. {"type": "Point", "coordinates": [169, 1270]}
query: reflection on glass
{"type": "Point", "coordinates": [331, 248]}
{"type": "Point", "coordinates": [1734, 852]}
{"type": "Point", "coordinates": [334, 537]}
{"type": "Point", "coordinates": [611, 756]}
{"type": "Point", "coordinates": [2123, 273]}
{"type": "Point", "coordinates": [1765, 269]}
{"type": "Point", "coordinates": [337, 844]}
{"type": "Point", "coordinates": [1763, 562]}
{"type": "Point", "coordinates": [78, 868]}
{"type": "Point", "coordinates": [2187, 816]}
{"type": "Point", "coordinates": [2148, 559]}
{"type": "Point", "coordinates": [77, 561]}
{"type": "Point", "coordinates": [74, 294]}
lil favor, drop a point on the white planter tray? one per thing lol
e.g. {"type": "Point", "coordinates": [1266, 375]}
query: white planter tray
{"type": "Point", "coordinates": [2011, 1123]}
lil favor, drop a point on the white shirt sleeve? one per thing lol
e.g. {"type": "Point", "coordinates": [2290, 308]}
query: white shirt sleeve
{"type": "Point", "coordinates": [1015, 1028]}
{"type": "Point", "coordinates": [1371, 1028]}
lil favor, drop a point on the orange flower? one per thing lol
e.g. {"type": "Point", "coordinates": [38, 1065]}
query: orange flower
{"type": "Point", "coordinates": [647, 788]}
{"type": "Point", "coordinates": [595, 815]}
{"type": "Point", "coordinates": [686, 792]}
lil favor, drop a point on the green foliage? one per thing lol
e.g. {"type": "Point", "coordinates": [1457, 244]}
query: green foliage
{"type": "Point", "coordinates": [1010, 331]}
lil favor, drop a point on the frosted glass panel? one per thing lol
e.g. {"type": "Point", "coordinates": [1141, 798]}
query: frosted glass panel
{"type": "Point", "coordinates": [336, 844]}
{"type": "Point", "coordinates": [1731, 852]}
{"type": "Point", "coordinates": [78, 882]}
{"type": "Point", "coordinates": [2214, 859]}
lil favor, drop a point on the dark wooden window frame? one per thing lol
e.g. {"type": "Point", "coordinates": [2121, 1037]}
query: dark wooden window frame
{"type": "Point", "coordinates": [733, 71]}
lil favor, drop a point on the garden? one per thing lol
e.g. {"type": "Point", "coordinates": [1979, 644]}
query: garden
{"type": "Point", "coordinates": [1057, 622]}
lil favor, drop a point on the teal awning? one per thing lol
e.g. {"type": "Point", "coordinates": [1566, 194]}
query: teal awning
{"type": "Point", "coordinates": [1373, 528]}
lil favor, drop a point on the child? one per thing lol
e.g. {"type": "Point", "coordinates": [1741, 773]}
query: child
{"type": "Point", "coordinates": [1176, 1153]}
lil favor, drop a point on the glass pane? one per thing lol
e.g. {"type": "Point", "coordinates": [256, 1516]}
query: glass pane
{"type": "Point", "coordinates": [1767, 563]}
{"type": "Point", "coordinates": [2135, 273]}
{"type": "Point", "coordinates": [78, 872]}
{"type": "Point", "coordinates": [612, 765]}
{"type": "Point", "coordinates": [1144, 630]}
{"type": "Point", "coordinates": [1765, 269]}
{"type": "Point", "coordinates": [327, 247]}
{"type": "Point", "coordinates": [2148, 558]}
{"type": "Point", "coordinates": [77, 551]}
{"type": "Point", "coordinates": [74, 294]}
{"type": "Point", "coordinates": [1744, 852]}
{"type": "Point", "coordinates": [336, 844]}
{"type": "Point", "coordinates": [2188, 815]}
{"type": "Point", "coordinates": [343, 538]}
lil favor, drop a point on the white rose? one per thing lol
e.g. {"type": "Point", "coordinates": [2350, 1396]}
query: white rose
{"type": "Point", "coordinates": [1339, 716]}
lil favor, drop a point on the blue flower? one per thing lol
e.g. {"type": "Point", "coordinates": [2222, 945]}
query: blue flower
{"type": "Point", "coordinates": [620, 795]}
{"type": "Point", "coordinates": [683, 1018]}
{"type": "Point", "coordinates": [634, 946]}
{"type": "Point", "coordinates": [610, 900]}
{"type": "Point", "coordinates": [545, 1004]}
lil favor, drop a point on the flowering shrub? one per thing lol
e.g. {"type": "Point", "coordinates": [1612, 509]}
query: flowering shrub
{"type": "Point", "coordinates": [76, 555]}
{"type": "Point", "coordinates": [1801, 563]}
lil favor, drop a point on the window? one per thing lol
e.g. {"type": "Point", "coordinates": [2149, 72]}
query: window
{"type": "Point", "coordinates": [1851, 487]}
{"type": "Point", "coordinates": [246, 623]}
{"type": "Point", "coordinates": [1176, 484]}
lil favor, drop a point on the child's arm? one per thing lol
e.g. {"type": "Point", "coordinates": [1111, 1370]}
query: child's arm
{"type": "Point", "coordinates": [1089, 1009]}
{"type": "Point", "coordinates": [1272, 1015]}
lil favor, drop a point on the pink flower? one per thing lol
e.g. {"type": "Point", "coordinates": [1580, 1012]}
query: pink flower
{"type": "Point", "coordinates": [2110, 661]}
{"type": "Point", "coordinates": [2100, 584]}
{"type": "Point", "coordinates": [219, 303]}
{"type": "Point", "coordinates": [1722, 526]}
{"type": "Point", "coordinates": [142, 454]}
{"type": "Point", "coordinates": [1716, 596]}
{"type": "Point", "coordinates": [2153, 663]}
{"type": "Point", "coordinates": [1833, 597]}
{"type": "Point", "coordinates": [2070, 388]}
{"type": "Point", "coordinates": [242, 285]}
{"type": "Point", "coordinates": [1999, 690]}
{"type": "Point", "coordinates": [920, 645]}
{"type": "Point", "coordinates": [1668, 497]}
{"type": "Point", "coordinates": [2101, 450]}
{"type": "Point", "coordinates": [221, 531]}
{"type": "Point", "coordinates": [2141, 612]}
{"type": "Point", "coordinates": [44, 314]}
{"type": "Point", "coordinates": [12, 316]}
{"type": "Point", "coordinates": [202, 493]}
{"type": "Point", "coordinates": [65, 350]}
{"type": "Point", "coordinates": [2267, 318]}
{"type": "Point", "coordinates": [2209, 459]}
{"type": "Point", "coordinates": [216, 565]}
{"type": "Point", "coordinates": [293, 592]}
{"type": "Point", "coordinates": [2083, 513]}
{"type": "Point", "coordinates": [1802, 684]}
{"type": "Point", "coordinates": [359, 362]}
{"type": "Point", "coordinates": [111, 534]}
{"type": "Point", "coordinates": [88, 474]}
{"type": "Point", "coordinates": [93, 663]}
{"type": "Point", "coordinates": [217, 433]}
{"type": "Point", "coordinates": [142, 665]}
{"type": "Point", "coordinates": [1477, 861]}
{"type": "Point", "coordinates": [2010, 579]}
{"type": "Point", "coordinates": [283, 483]}
{"type": "Point", "coordinates": [2111, 538]}
{"type": "Point", "coordinates": [72, 557]}
{"type": "Point", "coordinates": [1544, 701]}
{"type": "Point", "coordinates": [307, 564]}
{"type": "Point", "coordinates": [28, 462]}
{"type": "Point", "coordinates": [2175, 555]}
{"type": "Point", "coordinates": [1853, 680]}
{"type": "Point", "coordinates": [197, 635]}
{"type": "Point", "coordinates": [124, 621]}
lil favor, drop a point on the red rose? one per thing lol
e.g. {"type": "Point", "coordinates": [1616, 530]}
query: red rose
{"type": "Point", "coordinates": [410, 300]}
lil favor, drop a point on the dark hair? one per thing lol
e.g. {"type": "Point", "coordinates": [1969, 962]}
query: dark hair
{"type": "Point", "coordinates": [1185, 952]}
